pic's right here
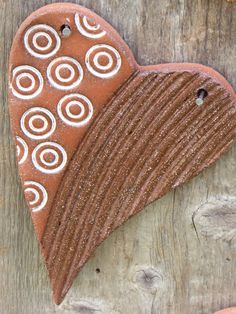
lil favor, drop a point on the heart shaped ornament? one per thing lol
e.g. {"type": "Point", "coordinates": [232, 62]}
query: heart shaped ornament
{"type": "Point", "coordinates": [99, 137]}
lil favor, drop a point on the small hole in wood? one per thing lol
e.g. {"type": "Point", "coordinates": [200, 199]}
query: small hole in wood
{"type": "Point", "coordinates": [98, 270]}
{"type": "Point", "coordinates": [201, 95]}
{"type": "Point", "coordinates": [65, 30]}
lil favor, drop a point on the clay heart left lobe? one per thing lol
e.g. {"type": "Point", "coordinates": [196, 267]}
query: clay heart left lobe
{"type": "Point", "coordinates": [99, 137]}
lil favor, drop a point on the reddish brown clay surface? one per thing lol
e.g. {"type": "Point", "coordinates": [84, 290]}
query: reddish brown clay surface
{"type": "Point", "coordinates": [99, 137]}
{"type": "Point", "coordinates": [231, 310]}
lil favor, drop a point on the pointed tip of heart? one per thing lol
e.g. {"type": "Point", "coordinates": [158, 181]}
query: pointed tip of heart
{"type": "Point", "coordinates": [57, 298]}
{"type": "Point", "coordinates": [59, 295]}
{"type": "Point", "coordinates": [60, 287]}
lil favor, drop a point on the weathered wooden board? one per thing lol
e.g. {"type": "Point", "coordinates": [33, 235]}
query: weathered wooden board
{"type": "Point", "coordinates": [179, 255]}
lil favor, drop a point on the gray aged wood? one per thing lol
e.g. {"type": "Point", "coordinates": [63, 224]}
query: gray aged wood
{"type": "Point", "coordinates": [179, 255]}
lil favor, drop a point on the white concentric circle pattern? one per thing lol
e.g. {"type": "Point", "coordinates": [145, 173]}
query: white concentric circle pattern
{"type": "Point", "coordinates": [42, 41]}
{"type": "Point", "coordinates": [31, 77]}
{"type": "Point", "coordinates": [39, 193]}
{"type": "Point", "coordinates": [49, 157]}
{"type": "Point", "coordinates": [21, 150]}
{"type": "Point", "coordinates": [87, 28]}
{"type": "Point", "coordinates": [38, 123]}
{"type": "Point", "coordinates": [65, 73]}
{"type": "Point", "coordinates": [103, 61]}
{"type": "Point", "coordinates": [75, 110]}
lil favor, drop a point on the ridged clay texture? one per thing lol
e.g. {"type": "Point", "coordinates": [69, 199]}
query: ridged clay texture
{"type": "Point", "coordinates": [98, 137]}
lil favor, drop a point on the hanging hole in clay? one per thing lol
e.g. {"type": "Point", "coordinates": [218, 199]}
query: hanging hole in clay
{"type": "Point", "coordinates": [65, 30]}
{"type": "Point", "coordinates": [201, 95]}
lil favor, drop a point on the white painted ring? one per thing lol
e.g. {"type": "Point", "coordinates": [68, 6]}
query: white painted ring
{"type": "Point", "coordinates": [100, 66]}
{"type": "Point", "coordinates": [37, 111]}
{"type": "Point", "coordinates": [38, 28]}
{"type": "Point", "coordinates": [50, 145]}
{"type": "Point", "coordinates": [89, 62]}
{"type": "Point", "coordinates": [72, 115]}
{"type": "Point", "coordinates": [28, 70]}
{"type": "Point", "coordinates": [36, 188]}
{"type": "Point", "coordinates": [47, 163]}
{"type": "Point", "coordinates": [89, 26]}
{"type": "Point", "coordinates": [31, 123]}
{"type": "Point", "coordinates": [17, 151]}
{"type": "Point", "coordinates": [22, 88]}
{"type": "Point", "coordinates": [42, 34]}
{"type": "Point", "coordinates": [66, 61]}
{"type": "Point", "coordinates": [25, 149]}
{"type": "Point", "coordinates": [75, 99]}
{"type": "Point", "coordinates": [64, 66]}
{"type": "Point", "coordinates": [88, 30]}
{"type": "Point", "coordinates": [36, 195]}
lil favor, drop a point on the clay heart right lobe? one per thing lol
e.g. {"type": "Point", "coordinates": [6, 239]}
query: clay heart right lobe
{"type": "Point", "coordinates": [149, 138]}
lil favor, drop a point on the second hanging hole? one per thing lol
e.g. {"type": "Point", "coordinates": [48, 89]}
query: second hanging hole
{"type": "Point", "coordinates": [65, 30]}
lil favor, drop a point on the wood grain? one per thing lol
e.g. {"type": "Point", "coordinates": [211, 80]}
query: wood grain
{"type": "Point", "coordinates": [171, 258]}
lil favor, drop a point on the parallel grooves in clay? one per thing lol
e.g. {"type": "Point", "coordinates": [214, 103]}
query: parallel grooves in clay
{"type": "Point", "coordinates": [149, 138]}
{"type": "Point", "coordinates": [122, 178]}
{"type": "Point", "coordinates": [134, 156]}
{"type": "Point", "coordinates": [200, 137]}
{"type": "Point", "coordinates": [95, 156]}
{"type": "Point", "coordinates": [94, 153]}
{"type": "Point", "coordinates": [176, 157]}
{"type": "Point", "coordinates": [177, 152]}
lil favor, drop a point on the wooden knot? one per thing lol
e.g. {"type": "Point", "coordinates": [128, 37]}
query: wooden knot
{"type": "Point", "coordinates": [149, 278]}
{"type": "Point", "coordinates": [217, 219]}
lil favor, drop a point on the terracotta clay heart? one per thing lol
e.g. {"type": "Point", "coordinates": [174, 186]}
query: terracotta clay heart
{"type": "Point", "coordinates": [98, 136]}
